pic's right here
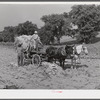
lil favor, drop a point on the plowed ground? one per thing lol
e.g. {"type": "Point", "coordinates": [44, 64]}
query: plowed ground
{"type": "Point", "coordinates": [85, 76]}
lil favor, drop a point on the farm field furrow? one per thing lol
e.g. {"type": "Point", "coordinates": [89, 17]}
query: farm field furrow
{"type": "Point", "coordinates": [86, 76]}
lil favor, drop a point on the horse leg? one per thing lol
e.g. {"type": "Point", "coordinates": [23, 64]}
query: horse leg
{"type": "Point", "coordinates": [75, 63]}
{"type": "Point", "coordinates": [72, 63]}
{"type": "Point", "coordinates": [60, 63]}
{"type": "Point", "coordinates": [79, 59]}
{"type": "Point", "coordinates": [63, 63]}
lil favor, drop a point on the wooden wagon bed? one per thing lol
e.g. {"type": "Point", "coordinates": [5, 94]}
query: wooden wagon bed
{"type": "Point", "coordinates": [36, 57]}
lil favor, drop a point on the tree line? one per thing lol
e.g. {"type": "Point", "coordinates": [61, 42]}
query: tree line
{"type": "Point", "coordinates": [82, 23]}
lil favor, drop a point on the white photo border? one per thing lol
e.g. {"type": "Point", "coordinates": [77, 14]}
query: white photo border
{"type": "Point", "coordinates": [49, 94]}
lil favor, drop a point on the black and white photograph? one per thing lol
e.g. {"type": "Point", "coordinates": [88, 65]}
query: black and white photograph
{"type": "Point", "coordinates": [50, 46]}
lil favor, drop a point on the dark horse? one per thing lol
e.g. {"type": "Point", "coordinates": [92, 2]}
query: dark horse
{"type": "Point", "coordinates": [59, 53]}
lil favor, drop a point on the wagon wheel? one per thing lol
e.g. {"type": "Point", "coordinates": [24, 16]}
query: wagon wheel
{"type": "Point", "coordinates": [36, 60]}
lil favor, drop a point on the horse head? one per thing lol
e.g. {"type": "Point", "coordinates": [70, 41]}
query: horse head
{"type": "Point", "coordinates": [81, 49]}
{"type": "Point", "coordinates": [85, 50]}
{"type": "Point", "coordinates": [69, 49]}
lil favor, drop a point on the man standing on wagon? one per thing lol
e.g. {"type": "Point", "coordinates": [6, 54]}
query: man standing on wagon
{"type": "Point", "coordinates": [37, 40]}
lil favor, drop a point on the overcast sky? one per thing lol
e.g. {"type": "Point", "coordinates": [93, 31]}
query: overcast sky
{"type": "Point", "coordinates": [12, 15]}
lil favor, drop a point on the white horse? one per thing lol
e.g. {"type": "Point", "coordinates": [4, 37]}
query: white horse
{"type": "Point", "coordinates": [77, 51]}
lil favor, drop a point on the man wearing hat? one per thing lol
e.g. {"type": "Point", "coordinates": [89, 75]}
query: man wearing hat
{"type": "Point", "coordinates": [37, 40]}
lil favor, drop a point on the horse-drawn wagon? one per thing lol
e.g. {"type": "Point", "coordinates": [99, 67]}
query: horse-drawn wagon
{"type": "Point", "coordinates": [26, 49]}
{"type": "Point", "coordinates": [35, 57]}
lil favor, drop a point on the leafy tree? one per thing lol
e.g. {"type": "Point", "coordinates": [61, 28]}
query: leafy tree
{"type": "Point", "coordinates": [8, 34]}
{"type": "Point", "coordinates": [55, 23]}
{"type": "Point", "coordinates": [46, 34]}
{"type": "Point", "coordinates": [67, 27]}
{"type": "Point", "coordinates": [87, 18]}
{"type": "Point", "coordinates": [26, 28]}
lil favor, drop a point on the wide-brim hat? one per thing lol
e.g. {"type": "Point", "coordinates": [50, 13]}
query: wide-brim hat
{"type": "Point", "coordinates": [35, 32]}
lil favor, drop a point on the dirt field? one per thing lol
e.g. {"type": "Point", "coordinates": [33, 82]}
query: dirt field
{"type": "Point", "coordinates": [86, 76]}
